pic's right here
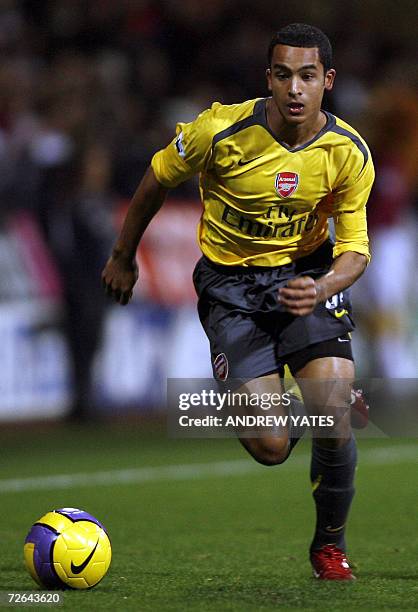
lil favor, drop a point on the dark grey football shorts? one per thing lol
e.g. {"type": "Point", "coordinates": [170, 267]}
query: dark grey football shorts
{"type": "Point", "coordinates": [250, 334]}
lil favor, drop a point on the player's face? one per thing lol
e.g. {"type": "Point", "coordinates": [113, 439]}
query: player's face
{"type": "Point", "coordinates": [297, 82]}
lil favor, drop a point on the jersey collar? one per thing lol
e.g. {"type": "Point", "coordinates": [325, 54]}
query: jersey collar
{"type": "Point", "coordinates": [260, 113]}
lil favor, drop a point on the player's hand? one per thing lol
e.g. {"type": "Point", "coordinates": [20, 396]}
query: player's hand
{"type": "Point", "coordinates": [300, 296]}
{"type": "Point", "coordinates": [119, 277]}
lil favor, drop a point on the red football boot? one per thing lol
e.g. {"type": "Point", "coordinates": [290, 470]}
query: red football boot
{"type": "Point", "coordinates": [330, 563]}
{"type": "Point", "coordinates": [359, 409]}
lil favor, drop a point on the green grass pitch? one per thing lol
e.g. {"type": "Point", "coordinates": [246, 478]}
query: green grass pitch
{"type": "Point", "coordinates": [231, 538]}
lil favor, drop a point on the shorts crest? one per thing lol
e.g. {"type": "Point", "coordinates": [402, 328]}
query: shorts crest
{"type": "Point", "coordinates": [221, 367]}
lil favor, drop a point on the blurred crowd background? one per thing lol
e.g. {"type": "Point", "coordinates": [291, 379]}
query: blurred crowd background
{"type": "Point", "coordinates": [89, 90]}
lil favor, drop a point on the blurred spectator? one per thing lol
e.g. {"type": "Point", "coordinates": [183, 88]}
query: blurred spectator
{"type": "Point", "coordinates": [75, 209]}
{"type": "Point", "coordinates": [390, 286]}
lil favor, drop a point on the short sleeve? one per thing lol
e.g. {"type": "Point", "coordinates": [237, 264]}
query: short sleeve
{"type": "Point", "coordinates": [188, 153]}
{"type": "Point", "coordinates": [349, 208]}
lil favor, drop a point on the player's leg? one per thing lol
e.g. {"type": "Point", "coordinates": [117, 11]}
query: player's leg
{"type": "Point", "coordinates": [242, 326]}
{"type": "Point", "coordinates": [326, 385]}
{"type": "Point", "coordinates": [333, 461]}
{"type": "Point", "coordinates": [269, 447]}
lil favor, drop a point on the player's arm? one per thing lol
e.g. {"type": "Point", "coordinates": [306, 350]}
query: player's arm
{"type": "Point", "coordinates": [351, 250]}
{"type": "Point", "coordinates": [121, 271]}
{"type": "Point", "coordinates": [302, 294]}
{"type": "Point", "coordinates": [185, 156]}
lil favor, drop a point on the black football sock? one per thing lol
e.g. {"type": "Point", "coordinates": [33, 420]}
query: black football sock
{"type": "Point", "coordinates": [296, 409]}
{"type": "Point", "coordinates": [332, 477]}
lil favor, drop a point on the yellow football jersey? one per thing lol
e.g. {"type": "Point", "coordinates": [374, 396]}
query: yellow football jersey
{"type": "Point", "coordinates": [263, 203]}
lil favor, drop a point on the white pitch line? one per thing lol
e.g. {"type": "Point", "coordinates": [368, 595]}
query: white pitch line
{"type": "Point", "coordinates": [190, 471]}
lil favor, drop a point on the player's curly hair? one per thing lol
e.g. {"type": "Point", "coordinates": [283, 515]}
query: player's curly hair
{"type": "Point", "coordinates": [303, 35]}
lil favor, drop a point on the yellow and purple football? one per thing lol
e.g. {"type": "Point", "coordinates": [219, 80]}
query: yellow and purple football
{"type": "Point", "coordinates": [67, 549]}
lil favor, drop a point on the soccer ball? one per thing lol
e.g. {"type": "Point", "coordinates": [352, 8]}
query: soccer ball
{"type": "Point", "coordinates": [67, 549]}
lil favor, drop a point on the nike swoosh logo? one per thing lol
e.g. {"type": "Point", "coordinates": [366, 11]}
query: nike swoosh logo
{"type": "Point", "coordinates": [334, 529]}
{"type": "Point", "coordinates": [343, 339]}
{"type": "Point", "coordinates": [77, 569]}
{"type": "Point", "coordinates": [316, 483]}
{"type": "Point", "coordinates": [248, 161]}
{"type": "Point", "coordinates": [340, 313]}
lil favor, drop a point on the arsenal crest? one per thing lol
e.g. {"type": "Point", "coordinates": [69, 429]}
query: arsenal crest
{"type": "Point", "coordinates": [286, 183]}
{"type": "Point", "coordinates": [220, 365]}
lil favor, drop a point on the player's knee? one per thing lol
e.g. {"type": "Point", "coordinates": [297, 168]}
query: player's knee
{"type": "Point", "coordinates": [270, 452]}
{"type": "Point", "coordinates": [340, 432]}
